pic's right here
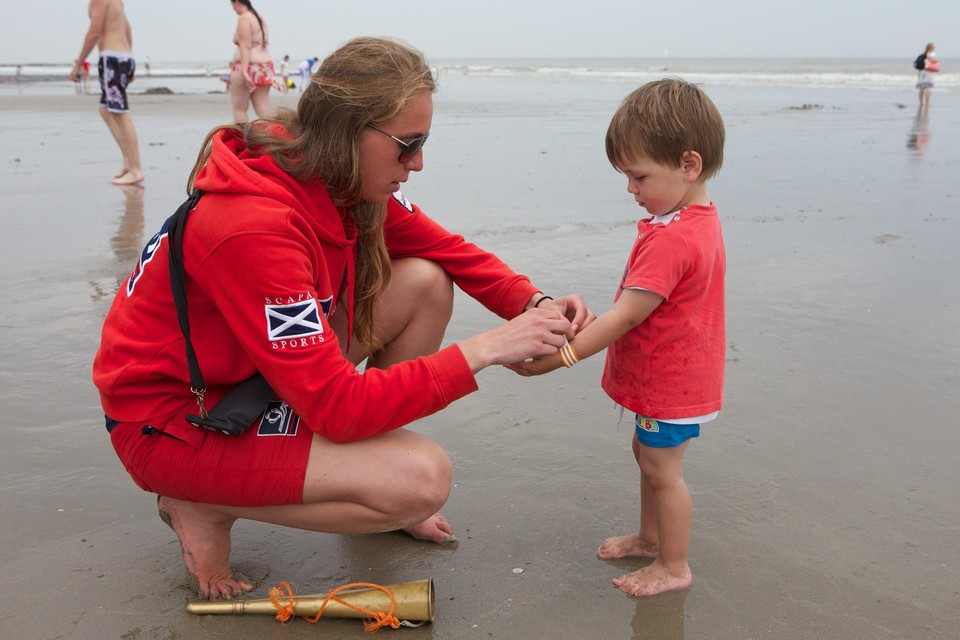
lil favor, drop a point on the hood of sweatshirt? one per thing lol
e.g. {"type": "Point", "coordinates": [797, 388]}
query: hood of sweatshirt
{"type": "Point", "coordinates": [233, 169]}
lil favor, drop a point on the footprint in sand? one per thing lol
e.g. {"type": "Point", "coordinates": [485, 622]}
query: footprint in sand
{"type": "Point", "coordinates": [885, 238]}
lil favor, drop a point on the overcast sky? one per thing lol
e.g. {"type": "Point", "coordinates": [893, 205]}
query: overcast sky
{"type": "Point", "coordinates": [187, 30]}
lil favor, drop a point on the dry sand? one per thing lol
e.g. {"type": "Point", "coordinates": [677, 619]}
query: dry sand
{"type": "Point", "coordinates": [826, 500]}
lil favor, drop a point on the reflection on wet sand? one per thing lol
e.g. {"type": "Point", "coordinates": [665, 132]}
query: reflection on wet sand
{"type": "Point", "coordinates": [919, 135]}
{"type": "Point", "coordinates": [660, 617]}
{"type": "Point", "coordinates": [128, 240]}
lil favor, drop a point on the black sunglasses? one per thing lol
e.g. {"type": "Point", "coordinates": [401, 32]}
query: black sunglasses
{"type": "Point", "coordinates": [408, 148]}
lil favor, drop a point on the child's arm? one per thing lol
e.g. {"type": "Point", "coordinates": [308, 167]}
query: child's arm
{"type": "Point", "coordinates": [632, 308]}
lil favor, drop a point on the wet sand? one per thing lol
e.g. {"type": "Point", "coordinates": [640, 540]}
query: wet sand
{"type": "Point", "coordinates": [826, 497]}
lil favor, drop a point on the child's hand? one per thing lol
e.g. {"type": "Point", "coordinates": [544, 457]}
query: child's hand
{"type": "Point", "coordinates": [537, 366]}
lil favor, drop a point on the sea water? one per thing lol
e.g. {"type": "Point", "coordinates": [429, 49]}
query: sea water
{"type": "Point", "coordinates": [874, 74]}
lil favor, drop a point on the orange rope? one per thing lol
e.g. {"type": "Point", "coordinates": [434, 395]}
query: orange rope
{"type": "Point", "coordinates": [375, 622]}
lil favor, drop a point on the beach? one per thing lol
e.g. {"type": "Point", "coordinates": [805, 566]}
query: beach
{"type": "Point", "coordinates": [826, 497]}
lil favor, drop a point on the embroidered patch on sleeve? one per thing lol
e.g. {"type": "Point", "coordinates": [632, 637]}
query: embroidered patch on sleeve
{"type": "Point", "coordinates": [291, 321]}
{"type": "Point", "coordinates": [399, 197]}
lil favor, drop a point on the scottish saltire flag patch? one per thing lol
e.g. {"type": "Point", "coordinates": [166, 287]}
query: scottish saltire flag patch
{"type": "Point", "coordinates": [291, 321]}
{"type": "Point", "coordinates": [278, 420]}
{"type": "Point", "coordinates": [399, 197]}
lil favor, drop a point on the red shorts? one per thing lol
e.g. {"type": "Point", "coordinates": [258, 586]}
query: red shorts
{"type": "Point", "coordinates": [264, 466]}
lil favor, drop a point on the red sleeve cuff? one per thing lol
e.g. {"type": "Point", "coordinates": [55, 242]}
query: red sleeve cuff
{"type": "Point", "coordinates": [517, 297]}
{"type": "Point", "coordinates": [452, 374]}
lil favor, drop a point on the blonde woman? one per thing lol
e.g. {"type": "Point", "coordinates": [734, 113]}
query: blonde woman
{"type": "Point", "coordinates": [302, 260]}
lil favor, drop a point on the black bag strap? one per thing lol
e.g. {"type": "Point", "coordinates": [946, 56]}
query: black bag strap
{"type": "Point", "coordinates": [178, 282]}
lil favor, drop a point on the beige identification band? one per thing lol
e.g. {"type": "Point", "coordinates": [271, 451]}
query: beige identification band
{"type": "Point", "coordinates": [568, 355]}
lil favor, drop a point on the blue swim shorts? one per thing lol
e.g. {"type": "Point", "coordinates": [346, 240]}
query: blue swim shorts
{"type": "Point", "coordinates": [660, 435]}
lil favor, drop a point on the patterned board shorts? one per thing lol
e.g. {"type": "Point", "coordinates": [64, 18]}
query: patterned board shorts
{"type": "Point", "coordinates": [116, 69]}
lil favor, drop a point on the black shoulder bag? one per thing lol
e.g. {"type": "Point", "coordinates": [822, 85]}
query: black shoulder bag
{"type": "Point", "coordinates": [242, 404]}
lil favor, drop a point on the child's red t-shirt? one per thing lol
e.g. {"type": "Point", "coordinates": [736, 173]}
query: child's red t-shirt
{"type": "Point", "coordinates": [672, 364]}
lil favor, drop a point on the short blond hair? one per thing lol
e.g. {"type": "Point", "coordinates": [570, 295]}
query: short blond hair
{"type": "Point", "coordinates": [664, 119]}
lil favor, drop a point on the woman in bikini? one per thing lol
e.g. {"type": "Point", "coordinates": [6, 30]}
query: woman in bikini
{"type": "Point", "coordinates": [251, 72]}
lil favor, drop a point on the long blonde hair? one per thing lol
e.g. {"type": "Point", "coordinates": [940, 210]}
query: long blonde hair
{"type": "Point", "coordinates": [368, 80]}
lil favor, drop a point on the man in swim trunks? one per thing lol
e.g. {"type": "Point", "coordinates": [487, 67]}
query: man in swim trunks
{"type": "Point", "coordinates": [110, 32]}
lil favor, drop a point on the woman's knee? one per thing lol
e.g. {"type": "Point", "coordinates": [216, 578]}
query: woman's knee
{"type": "Point", "coordinates": [426, 474]}
{"type": "Point", "coordinates": [399, 473]}
{"type": "Point", "coordinates": [424, 281]}
{"type": "Point", "coordinates": [420, 300]}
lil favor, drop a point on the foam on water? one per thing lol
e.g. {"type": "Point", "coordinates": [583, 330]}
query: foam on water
{"type": "Point", "coordinates": [870, 74]}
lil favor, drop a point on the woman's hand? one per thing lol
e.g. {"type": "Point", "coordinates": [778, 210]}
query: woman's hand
{"type": "Point", "coordinates": [574, 309]}
{"type": "Point", "coordinates": [534, 333]}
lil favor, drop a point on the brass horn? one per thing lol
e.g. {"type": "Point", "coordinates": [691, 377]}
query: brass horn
{"type": "Point", "coordinates": [415, 602]}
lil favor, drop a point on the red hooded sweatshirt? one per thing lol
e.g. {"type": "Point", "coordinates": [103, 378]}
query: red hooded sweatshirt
{"type": "Point", "coordinates": [266, 257]}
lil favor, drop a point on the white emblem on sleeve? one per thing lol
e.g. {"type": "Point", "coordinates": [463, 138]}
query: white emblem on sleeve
{"type": "Point", "coordinates": [290, 321]}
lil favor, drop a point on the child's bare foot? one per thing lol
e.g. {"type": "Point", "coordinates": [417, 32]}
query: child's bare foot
{"type": "Point", "coordinates": [130, 177]}
{"type": "Point", "coordinates": [433, 529]}
{"type": "Point", "coordinates": [653, 579]}
{"type": "Point", "coordinates": [628, 546]}
{"type": "Point", "coordinates": [205, 543]}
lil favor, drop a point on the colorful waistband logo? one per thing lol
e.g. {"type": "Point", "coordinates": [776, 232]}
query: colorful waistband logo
{"type": "Point", "coordinates": [648, 425]}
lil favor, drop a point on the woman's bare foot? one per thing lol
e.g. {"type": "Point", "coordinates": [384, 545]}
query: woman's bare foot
{"type": "Point", "coordinates": [433, 529]}
{"type": "Point", "coordinates": [205, 543]}
{"type": "Point", "coordinates": [124, 169]}
{"type": "Point", "coordinates": [628, 546]}
{"type": "Point", "coordinates": [130, 177]}
{"type": "Point", "coordinates": [653, 579]}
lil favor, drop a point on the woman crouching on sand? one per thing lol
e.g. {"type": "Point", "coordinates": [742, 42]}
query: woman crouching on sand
{"type": "Point", "coordinates": [303, 259]}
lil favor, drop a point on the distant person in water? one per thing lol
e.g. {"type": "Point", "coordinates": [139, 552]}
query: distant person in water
{"type": "Point", "coordinates": [925, 75]}
{"type": "Point", "coordinates": [110, 32]}
{"type": "Point", "coordinates": [285, 73]}
{"type": "Point", "coordinates": [306, 66]}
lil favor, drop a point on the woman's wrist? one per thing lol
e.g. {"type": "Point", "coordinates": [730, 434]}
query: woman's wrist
{"type": "Point", "coordinates": [536, 300]}
{"type": "Point", "coordinates": [476, 354]}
